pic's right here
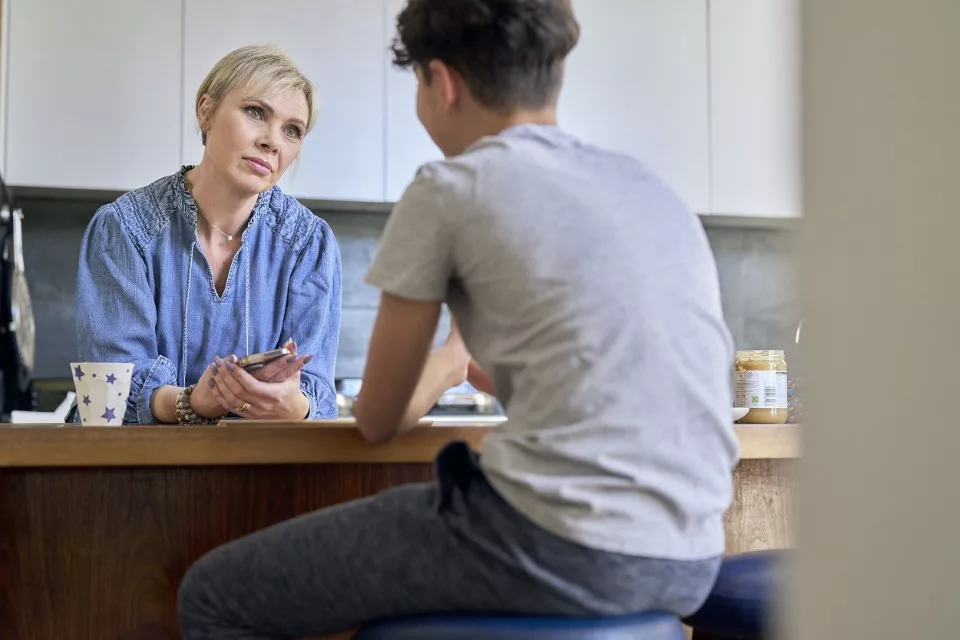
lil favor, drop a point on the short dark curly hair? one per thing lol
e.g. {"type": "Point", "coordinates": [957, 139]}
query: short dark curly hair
{"type": "Point", "coordinates": [509, 52]}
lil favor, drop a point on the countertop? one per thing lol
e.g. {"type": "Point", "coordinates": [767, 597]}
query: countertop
{"type": "Point", "coordinates": [266, 442]}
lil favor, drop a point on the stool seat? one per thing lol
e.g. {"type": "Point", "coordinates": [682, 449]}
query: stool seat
{"type": "Point", "coordinates": [645, 626]}
{"type": "Point", "coordinates": [747, 589]}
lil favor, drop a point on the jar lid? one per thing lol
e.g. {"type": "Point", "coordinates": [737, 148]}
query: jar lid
{"type": "Point", "coordinates": [760, 354]}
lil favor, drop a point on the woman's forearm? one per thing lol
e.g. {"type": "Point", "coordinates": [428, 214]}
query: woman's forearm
{"type": "Point", "coordinates": [163, 403]}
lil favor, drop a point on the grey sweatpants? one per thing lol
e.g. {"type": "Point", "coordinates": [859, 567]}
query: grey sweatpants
{"type": "Point", "coordinates": [453, 545]}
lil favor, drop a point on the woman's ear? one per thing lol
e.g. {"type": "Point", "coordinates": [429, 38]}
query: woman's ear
{"type": "Point", "coordinates": [204, 111]}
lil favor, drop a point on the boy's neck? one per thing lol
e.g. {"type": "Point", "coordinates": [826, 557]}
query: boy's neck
{"type": "Point", "coordinates": [484, 123]}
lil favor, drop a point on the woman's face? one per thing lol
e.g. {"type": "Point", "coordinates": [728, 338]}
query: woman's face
{"type": "Point", "coordinates": [252, 138]}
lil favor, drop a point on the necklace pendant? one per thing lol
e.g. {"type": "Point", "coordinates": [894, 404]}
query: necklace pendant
{"type": "Point", "coordinates": [229, 238]}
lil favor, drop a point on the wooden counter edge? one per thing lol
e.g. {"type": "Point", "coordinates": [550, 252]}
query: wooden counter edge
{"type": "Point", "coordinates": [278, 443]}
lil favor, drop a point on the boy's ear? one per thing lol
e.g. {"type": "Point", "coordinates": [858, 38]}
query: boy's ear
{"type": "Point", "coordinates": [448, 85]}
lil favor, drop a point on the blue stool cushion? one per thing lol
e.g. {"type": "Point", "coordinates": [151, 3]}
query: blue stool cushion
{"type": "Point", "coordinates": [746, 590]}
{"type": "Point", "coordinates": [645, 626]}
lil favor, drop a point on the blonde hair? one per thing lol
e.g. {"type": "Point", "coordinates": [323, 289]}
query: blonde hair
{"type": "Point", "coordinates": [265, 67]}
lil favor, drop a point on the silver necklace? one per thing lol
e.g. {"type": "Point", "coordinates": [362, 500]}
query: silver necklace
{"type": "Point", "coordinates": [228, 236]}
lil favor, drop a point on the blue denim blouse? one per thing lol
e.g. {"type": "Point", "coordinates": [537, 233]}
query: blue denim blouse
{"type": "Point", "coordinates": [145, 292]}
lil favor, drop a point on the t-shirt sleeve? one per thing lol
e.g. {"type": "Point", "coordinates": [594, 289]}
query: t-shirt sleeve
{"type": "Point", "coordinates": [414, 258]}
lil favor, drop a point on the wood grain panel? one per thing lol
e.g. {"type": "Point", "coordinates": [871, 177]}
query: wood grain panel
{"type": "Point", "coordinates": [763, 513]}
{"type": "Point", "coordinates": [99, 553]}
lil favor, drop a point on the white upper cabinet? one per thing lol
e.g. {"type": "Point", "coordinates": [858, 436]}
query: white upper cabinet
{"type": "Point", "coordinates": [637, 83]}
{"type": "Point", "coordinates": [755, 107]}
{"type": "Point", "coordinates": [93, 93]}
{"type": "Point", "coordinates": [339, 45]}
{"type": "Point", "coordinates": [100, 95]}
{"type": "Point", "coordinates": [407, 142]}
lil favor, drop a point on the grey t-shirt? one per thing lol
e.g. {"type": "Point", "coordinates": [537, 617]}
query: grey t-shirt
{"type": "Point", "coordinates": [588, 291]}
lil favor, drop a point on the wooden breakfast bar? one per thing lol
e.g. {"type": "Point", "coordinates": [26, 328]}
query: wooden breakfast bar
{"type": "Point", "coordinates": [99, 524]}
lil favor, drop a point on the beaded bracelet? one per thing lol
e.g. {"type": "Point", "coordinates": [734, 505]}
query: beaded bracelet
{"type": "Point", "coordinates": [185, 413]}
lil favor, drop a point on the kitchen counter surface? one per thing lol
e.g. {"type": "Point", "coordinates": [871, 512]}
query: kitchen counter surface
{"type": "Point", "coordinates": [270, 443]}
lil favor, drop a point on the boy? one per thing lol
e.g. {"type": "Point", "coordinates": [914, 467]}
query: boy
{"type": "Point", "coordinates": [587, 292]}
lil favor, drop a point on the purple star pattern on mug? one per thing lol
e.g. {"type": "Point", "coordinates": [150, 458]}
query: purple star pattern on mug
{"type": "Point", "coordinates": [77, 371]}
{"type": "Point", "coordinates": [86, 399]}
{"type": "Point", "coordinates": [111, 378]}
{"type": "Point", "coordinates": [109, 415]}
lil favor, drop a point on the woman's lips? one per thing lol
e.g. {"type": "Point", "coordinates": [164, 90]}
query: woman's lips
{"type": "Point", "coordinates": [259, 166]}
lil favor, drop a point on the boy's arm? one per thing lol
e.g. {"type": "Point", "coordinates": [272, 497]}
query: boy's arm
{"type": "Point", "coordinates": [413, 267]}
{"type": "Point", "coordinates": [402, 381]}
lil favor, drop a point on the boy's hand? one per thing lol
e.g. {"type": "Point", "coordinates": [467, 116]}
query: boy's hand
{"type": "Point", "coordinates": [473, 372]}
{"type": "Point", "coordinates": [480, 379]}
{"type": "Point", "coordinates": [456, 348]}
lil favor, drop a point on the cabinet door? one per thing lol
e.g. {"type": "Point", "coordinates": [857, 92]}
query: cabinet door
{"type": "Point", "coordinates": [93, 93]}
{"type": "Point", "coordinates": [408, 145]}
{"type": "Point", "coordinates": [637, 83]}
{"type": "Point", "coordinates": [339, 45]}
{"type": "Point", "coordinates": [755, 107]}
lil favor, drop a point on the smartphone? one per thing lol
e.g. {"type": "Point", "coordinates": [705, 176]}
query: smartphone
{"type": "Point", "coordinates": [259, 360]}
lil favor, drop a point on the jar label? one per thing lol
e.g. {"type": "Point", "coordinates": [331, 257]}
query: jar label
{"type": "Point", "coordinates": [761, 389]}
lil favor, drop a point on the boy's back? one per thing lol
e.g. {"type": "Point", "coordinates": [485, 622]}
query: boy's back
{"type": "Point", "coordinates": [588, 291]}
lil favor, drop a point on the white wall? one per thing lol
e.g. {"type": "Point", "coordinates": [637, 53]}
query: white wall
{"type": "Point", "coordinates": [4, 65]}
{"type": "Point", "coordinates": [879, 530]}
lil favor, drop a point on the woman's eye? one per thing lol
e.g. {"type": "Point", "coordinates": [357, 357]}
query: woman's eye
{"type": "Point", "coordinates": [294, 132]}
{"type": "Point", "coordinates": [254, 112]}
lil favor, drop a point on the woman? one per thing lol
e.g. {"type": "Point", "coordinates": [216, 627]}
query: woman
{"type": "Point", "coordinates": [180, 276]}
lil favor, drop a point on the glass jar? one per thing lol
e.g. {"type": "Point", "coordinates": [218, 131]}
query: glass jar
{"type": "Point", "coordinates": [761, 386]}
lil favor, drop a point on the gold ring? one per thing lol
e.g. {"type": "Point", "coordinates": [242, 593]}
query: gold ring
{"type": "Point", "coordinates": [242, 408]}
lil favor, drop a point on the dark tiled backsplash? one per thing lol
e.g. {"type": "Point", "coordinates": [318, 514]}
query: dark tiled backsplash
{"type": "Point", "coordinates": [760, 299]}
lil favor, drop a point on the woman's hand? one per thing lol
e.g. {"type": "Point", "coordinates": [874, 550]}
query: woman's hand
{"type": "Point", "coordinates": [283, 369]}
{"type": "Point", "coordinates": [203, 400]}
{"type": "Point", "coordinates": [276, 396]}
